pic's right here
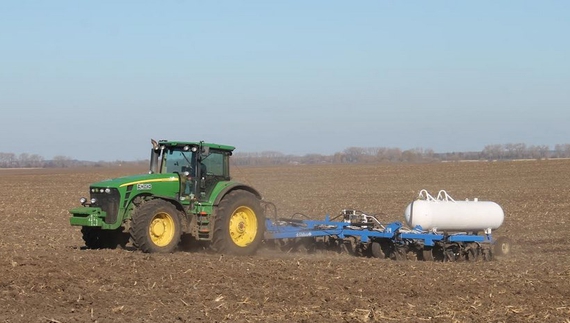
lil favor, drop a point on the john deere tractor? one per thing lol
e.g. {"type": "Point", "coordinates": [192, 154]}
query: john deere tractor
{"type": "Point", "coordinates": [188, 191]}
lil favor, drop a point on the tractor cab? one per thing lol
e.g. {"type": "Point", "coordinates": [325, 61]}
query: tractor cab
{"type": "Point", "coordinates": [198, 165]}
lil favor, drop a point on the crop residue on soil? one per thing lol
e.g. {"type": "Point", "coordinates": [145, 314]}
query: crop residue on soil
{"type": "Point", "coordinates": [47, 277]}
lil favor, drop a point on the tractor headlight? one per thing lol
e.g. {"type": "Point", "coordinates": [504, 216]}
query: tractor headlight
{"type": "Point", "coordinates": [82, 201]}
{"type": "Point", "coordinates": [107, 190]}
{"type": "Point", "coordinates": [93, 200]}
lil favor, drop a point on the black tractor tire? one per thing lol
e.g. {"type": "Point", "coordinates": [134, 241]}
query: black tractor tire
{"type": "Point", "coordinates": [239, 224]}
{"type": "Point", "coordinates": [97, 238]}
{"type": "Point", "coordinates": [155, 227]}
{"type": "Point", "coordinates": [502, 246]}
{"type": "Point", "coordinates": [93, 237]}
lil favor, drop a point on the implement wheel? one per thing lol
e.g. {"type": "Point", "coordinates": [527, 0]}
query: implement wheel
{"type": "Point", "coordinates": [502, 247]}
{"type": "Point", "coordinates": [427, 254]}
{"type": "Point", "coordinates": [377, 251]}
{"type": "Point", "coordinates": [239, 224]}
{"type": "Point", "coordinates": [398, 253]}
{"type": "Point", "coordinates": [487, 254]}
{"type": "Point", "coordinates": [155, 226]}
{"type": "Point", "coordinates": [472, 254]}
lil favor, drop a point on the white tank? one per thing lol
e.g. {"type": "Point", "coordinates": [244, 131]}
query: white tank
{"type": "Point", "coordinates": [445, 214]}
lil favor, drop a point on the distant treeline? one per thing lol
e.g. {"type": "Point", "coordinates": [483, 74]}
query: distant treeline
{"type": "Point", "coordinates": [351, 155]}
{"type": "Point", "coordinates": [372, 155]}
{"type": "Point", "coordinates": [11, 160]}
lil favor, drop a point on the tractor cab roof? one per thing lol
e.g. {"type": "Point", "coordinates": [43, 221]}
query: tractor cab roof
{"type": "Point", "coordinates": [176, 143]}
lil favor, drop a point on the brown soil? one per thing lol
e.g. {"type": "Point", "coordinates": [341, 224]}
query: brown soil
{"type": "Point", "coordinates": [45, 275]}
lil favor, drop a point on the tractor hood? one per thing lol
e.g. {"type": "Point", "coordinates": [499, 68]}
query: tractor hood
{"type": "Point", "coordinates": [143, 179]}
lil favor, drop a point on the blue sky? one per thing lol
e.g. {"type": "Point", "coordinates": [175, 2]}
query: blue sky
{"type": "Point", "coordinates": [97, 79]}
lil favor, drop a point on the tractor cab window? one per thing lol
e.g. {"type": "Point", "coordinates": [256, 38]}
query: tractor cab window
{"type": "Point", "coordinates": [177, 161]}
{"type": "Point", "coordinates": [216, 164]}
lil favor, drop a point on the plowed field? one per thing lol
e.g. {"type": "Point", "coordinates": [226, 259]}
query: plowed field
{"type": "Point", "coordinates": [45, 275]}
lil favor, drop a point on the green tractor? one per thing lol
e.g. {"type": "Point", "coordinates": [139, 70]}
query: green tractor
{"type": "Point", "coordinates": [187, 192]}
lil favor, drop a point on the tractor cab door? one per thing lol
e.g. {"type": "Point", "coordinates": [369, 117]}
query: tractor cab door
{"type": "Point", "coordinates": [214, 167]}
{"type": "Point", "coordinates": [183, 164]}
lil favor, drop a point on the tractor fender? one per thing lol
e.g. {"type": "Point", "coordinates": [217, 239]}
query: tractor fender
{"type": "Point", "coordinates": [145, 196]}
{"type": "Point", "coordinates": [175, 202]}
{"type": "Point", "coordinates": [235, 186]}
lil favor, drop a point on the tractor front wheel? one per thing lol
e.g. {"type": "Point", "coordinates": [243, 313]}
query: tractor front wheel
{"type": "Point", "coordinates": [93, 237]}
{"type": "Point", "coordinates": [239, 224]}
{"type": "Point", "coordinates": [155, 226]}
{"type": "Point", "coordinates": [96, 238]}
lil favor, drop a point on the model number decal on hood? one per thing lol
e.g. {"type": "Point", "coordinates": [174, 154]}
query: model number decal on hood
{"type": "Point", "coordinates": [143, 187]}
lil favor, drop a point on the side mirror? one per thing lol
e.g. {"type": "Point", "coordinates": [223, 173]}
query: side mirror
{"type": "Point", "coordinates": [205, 151]}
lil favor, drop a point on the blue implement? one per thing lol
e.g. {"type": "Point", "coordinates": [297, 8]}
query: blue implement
{"type": "Point", "coordinates": [364, 234]}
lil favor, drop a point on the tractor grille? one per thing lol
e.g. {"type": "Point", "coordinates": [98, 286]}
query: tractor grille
{"type": "Point", "coordinates": [108, 202]}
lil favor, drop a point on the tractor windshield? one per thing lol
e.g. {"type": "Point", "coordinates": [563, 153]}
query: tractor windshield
{"type": "Point", "coordinates": [178, 161]}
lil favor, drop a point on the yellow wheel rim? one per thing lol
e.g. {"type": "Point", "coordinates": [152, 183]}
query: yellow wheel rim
{"type": "Point", "coordinates": [161, 229]}
{"type": "Point", "coordinates": [243, 226]}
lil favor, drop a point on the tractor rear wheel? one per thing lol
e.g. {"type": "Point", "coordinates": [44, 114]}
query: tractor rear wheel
{"type": "Point", "coordinates": [155, 226]}
{"type": "Point", "coordinates": [239, 224]}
